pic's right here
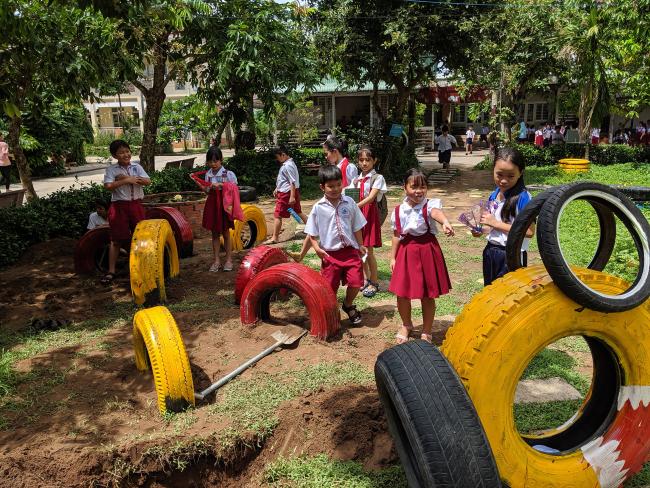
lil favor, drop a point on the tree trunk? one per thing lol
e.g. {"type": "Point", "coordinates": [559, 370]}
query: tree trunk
{"type": "Point", "coordinates": [411, 119]}
{"type": "Point", "coordinates": [155, 102]}
{"type": "Point", "coordinates": [376, 105]}
{"type": "Point", "coordinates": [19, 156]}
{"type": "Point", "coordinates": [402, 99]}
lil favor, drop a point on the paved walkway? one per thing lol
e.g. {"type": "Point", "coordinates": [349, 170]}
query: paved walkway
{"type": "Point", "coordinates": [93, 172]}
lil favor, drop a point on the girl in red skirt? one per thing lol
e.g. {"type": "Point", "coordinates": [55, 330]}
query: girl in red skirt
{"type": "Point", "coordinates": [372, 188]}
{"type": "Point", "coordinates": [417, 263]}
{"type": "Point", "coordinates": [215, 217]}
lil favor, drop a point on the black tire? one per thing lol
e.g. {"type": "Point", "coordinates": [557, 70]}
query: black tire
{"type": "Point", "coordinates": [437, 433]}
{"type": "Point", "coordinates": [558, 268]}
{"type": "Point", "coordinates": [247, 194]}
{"type": "Point", "coordinates": [636, 193]}
{"type": "Point", "coordinates": [527, 216]}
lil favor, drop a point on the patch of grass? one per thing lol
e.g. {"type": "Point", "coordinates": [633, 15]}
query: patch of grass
{"type": "Point", "coordinates": [251, 404]}
{"type": "Point", "coordinates": [551, 363]}
{"type": "Point", "coordinates": [383, 268]}
{"type": "Point", "coordinates": [627, 174]}
{"type": "Point", "coordinates": [531, 417]}
{"type": "Point", "coordinates": [362, 302]}
{"type": "Point", "coordinates": [320, 471]}
{"type": "Point", "coordinates": [641, 479]}
{"type": "Point", "coordinates": [571, 344]}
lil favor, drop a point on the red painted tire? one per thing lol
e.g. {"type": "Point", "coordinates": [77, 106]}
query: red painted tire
{"type": "Point", "coordinates": [255, 261]}
{"type": "Point", "coordinates": [90, 249]}
{"type": "Point", "coordinates": [310, 286]}
{"type": "Point", "coordinates": [180, 227]}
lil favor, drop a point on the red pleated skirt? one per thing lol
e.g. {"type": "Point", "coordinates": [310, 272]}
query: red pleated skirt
{"type": "Point", "coordinates": [371, 232]}
{"type": "Point", "coordinates": [215, 218]}
{"type": "Point", "coordinates": [420, 270]}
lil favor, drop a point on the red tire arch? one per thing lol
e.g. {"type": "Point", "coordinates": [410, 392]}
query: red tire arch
{"type": "Point", "coordinates": [310, 286]}
{"type": "Point", "coordinates": [85, 252]}
{"type": "Point", "coordinates": [255, 261]}
{"type": "Point", "coordinates": [180, 227]}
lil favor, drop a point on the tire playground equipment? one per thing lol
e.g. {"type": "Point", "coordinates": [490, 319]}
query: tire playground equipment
{"type": "Point", "coordinates": [572, 165]}
{"type": "Point", "coordinates": [251, 231]}
{"type": "Point", "coordinates": [91, 251]}
{"type": "Point", "coordinates": [609, 438]}
{"type": "Point", "coordinates": [256, 260]}
{"type": "Point", "coordinates": [180, 226]}
{"type": "Point", "coordinates": [314, 291]}
{"type": "Point", "coordinates": [159, 347]}
{"type": "Point", "coordinates": [153, 259]}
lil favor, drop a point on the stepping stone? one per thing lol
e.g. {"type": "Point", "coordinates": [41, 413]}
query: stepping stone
{"type": "Point", "coordinates": [543, 391]}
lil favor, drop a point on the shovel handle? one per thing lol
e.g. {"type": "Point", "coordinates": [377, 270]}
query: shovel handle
{"type": "Point", "coordinates": [237, 371]}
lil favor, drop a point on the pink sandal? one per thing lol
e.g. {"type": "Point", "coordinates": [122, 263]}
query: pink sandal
{"type": "Point", "coordinates": [401, 338]}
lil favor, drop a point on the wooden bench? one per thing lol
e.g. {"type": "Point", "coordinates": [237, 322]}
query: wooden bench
{"type": "Point", "coordinates": [181, 163]}
{"type": "Point", "coordinates": [12, 198]}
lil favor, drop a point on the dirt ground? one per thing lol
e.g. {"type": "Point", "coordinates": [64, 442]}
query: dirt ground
{"type": "Point", "coordinates": [82, 415]}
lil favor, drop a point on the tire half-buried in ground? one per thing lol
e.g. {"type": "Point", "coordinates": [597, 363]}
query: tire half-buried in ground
{"type": "Point", "coordinates": [504, 327]}
{"type": "Point", "coordinates": [436, 430]}
{"type": "Point", "coordinates": [256, 260]}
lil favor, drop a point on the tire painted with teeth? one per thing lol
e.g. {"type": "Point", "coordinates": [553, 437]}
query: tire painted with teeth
{"type": "Point", "coordinates": [504, 327]}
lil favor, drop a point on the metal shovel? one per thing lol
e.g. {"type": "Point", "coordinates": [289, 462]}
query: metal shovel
{"type": "Point", "coordinates": [281, 339]}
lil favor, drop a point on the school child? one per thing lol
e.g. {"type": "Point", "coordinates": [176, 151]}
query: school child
{"type": "Point", "coordinates": [286, 193]}
{"type": "Point", "coordinates": [372, 188]}
{"type": "Point", "coordinates": [417, 263]}
{"type": "Point", "coordinates": [445, 141]}
{"type": "Point", "coordinates": [469, 139]}
{"type": "Point", "coordinates": [511, 197]}
{"type": "Point", "coordinates": [557, 137]}
{"type": "Point", "coordinates": [335, 151]}
{"type": "Point", "coordinates": [539, 137]}
{"type": "Point", "coordinates": [595, 135]}
{"type": "Point", "coordinates": [546, 132]}
{"type": "Point", "coordinates": [218, 183]}
{"type": "Point", "coordinates": [99, 217]}
{"type": "Point", "coordinates": [125, 181]}
{"type": "Point", "coordinates": [485, 130]}
{"type": "Point", "coordinates": [337, 221]}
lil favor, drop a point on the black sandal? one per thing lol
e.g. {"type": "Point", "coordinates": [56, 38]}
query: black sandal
{"type": "Point", "coordinates": [353, 314]}
{"type": "Point", "coordinates": [107, 279]}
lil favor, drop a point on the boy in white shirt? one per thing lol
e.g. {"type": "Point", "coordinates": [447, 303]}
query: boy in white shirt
{"type": "Point", "coordinates": [469, 139]}
{"type": "Point", "coordinates": [99, 217]}
{"type": "Point", "coordinates": [337, 221]}
{"type": "Point", "coordinates": [445, 141]}
{"type": "Point", "coordinates": [286, 193]}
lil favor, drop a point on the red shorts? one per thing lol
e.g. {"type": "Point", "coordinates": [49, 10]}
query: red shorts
{"type": "Point", "coordinates": [343, 267]}
{"type": "Point", "coordinates": [123, 216]}
{"type": "Point", "coordinates": [282, 204]}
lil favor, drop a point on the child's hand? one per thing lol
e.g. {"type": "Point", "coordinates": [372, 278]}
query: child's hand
{"type": "Point", "coordinates": [392, 264]}
{"type": "Point", "coordinates": [275, 193]}
{"type": "Point", "coordinates": [292, 200]}
{"type": "Point", "coordinates": [363, 251]}
{"type": "Point", "coordinates": [488, 219]}
{"type": "Point", "coordinates": [321, 253]}
{"type": "Point", "coordinates": [448, 229]}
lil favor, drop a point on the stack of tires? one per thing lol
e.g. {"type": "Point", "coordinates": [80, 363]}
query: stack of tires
{"type": "Point", "coordinates": [494, 339]}
{"type": "Point", "coordinates": [572, 165]}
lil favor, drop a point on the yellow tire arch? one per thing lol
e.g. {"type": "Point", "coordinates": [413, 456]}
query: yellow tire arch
{"type": "Point", "coordinates": [502, 329]}
{"type": "Point", "coordinates": [158, 346]}
{"type": "Point", "coordinates": [153, 256]}
{"type": "Point", "coordinates": [255, 215]}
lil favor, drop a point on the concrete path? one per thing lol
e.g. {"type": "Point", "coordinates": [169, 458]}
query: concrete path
{"type": "Point", "coordinates": [542, 391]}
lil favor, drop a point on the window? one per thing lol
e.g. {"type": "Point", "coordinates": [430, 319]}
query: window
{"type": "Point", "coordinates": [180, 85]}
{"type": "Point", "coordinates": [530, 112]}
{"type": "Point", "coordinates": [541, 111]}
{"type": "Point", "coordinates": [460, 113]}
{"type": "Point", "coordinates": [115, 117]}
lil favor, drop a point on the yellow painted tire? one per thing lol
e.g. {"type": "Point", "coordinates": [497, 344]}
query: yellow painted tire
{"type": "Point", "coordinates": [159, 346]}
{"type": "Point", "coordinates": [502, 329]}
{"type": "Point", "coordinates": [154, 257]}
{"type": "Point", "coordinates": [255, 221]}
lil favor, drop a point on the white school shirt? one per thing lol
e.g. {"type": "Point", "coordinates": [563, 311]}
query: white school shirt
{"type": "Point", "coordinates": [125, 192]}
{"type": "Point", "coordinates": [470, 134]}
{"type": "Point", "coordinates": [444, 143]}
{"type": "Point", "coordinates": [351, 172]}
{"type": "Point", "coordinates": [96, 220]}
{"type": "Point", "coordinates": [379, 183]}
{"type": "Point", "coordinates": [595, 133]}
{"type": "Point", "coordinates": [335, 225]}
{"type": "Point", "coordinates": [499, 237]}
{"type": "Point", "coordinates": [220, 176]}
{"type": "Point", "coordinates": [288, 174]}
{"type": "Point", "coordinates": [412, 220]}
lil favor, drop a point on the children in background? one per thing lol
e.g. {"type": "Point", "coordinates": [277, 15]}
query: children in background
{"type": "Point", "coordinates": [511, 196]}
{"type": "Point", "coordinates": [445, 141]}
{"type": "Point", "coordinates": [286, 193]}
{"type": "Point", "coordinates": [485, 130]}
{"type": "Point", "coordinates": [546, 132]}
{"type": "Point", "coordinates": [216, 217]}
{"type": "Point", "coordinates": [417, 263]}
{"type": "Point", "coordinates": [99, 217]}
{"type": "Point", "coordinates": [372, 188]}
{"type": "Point", "coordinates": [125, 181]}
{"type": "Point", "coordinates": [336, 153]}
{"type": "Point", "coordinates": [337, 221]}
{"type": "Point", "coordinates": [595, 135]}
{"type": "Point", "coordinates": [469, 139]}
{"type": "Point", "coordinates": [557, 137]}
{"type": "Point", "coordinates": [5, 163]}
{"type": "Point", "coordinates": [539, 137]}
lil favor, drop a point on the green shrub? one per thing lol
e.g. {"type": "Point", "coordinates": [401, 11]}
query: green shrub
{"type": "Point", "coordinates": [171, 179]}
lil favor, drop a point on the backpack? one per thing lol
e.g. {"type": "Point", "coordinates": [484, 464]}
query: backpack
{"type": "Point", "coordinates": [382, 202]}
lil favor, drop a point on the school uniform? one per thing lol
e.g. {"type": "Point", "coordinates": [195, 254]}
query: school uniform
{"type": "Point", "coordinates": [335, 225]}
{"type": "Point", "coordinates": [494, 254]}
{"type": "Point", "coordinates": [215, 217]}
{"type": "Point", "coordinates": [372, 230]}
{"type": "Point", "coordinates": [287, 176]}
{"type": "Point", "coordinates": [539, 138]}
{"type": "Point", "coordinates": [348, 171]}
{"type": "Point", "coordinates": [595, 136]}
{"type": "Point", "coordinates": [95, 220]}
{"type": "Point", "coordinates": [420, 270]}
{"type": "Point", "coordinates": [126, 208]}
{"type": "Point", "coordinates": [444, 148]}
{"type": "Point", "coordinates": [469, 137]}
